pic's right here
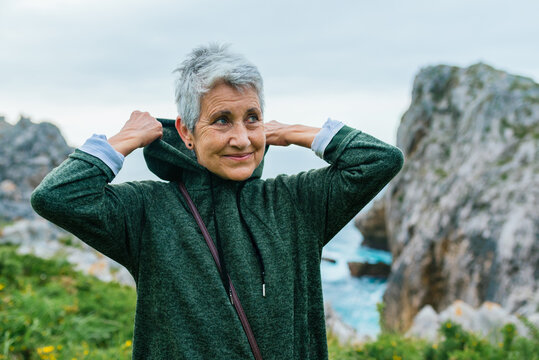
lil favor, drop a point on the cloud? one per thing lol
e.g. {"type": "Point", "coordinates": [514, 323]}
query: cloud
{"type": "Point", "coordinates": [87, 60]}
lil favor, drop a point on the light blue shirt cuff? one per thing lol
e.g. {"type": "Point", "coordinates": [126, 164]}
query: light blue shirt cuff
{"type": "Point", "coordinates": [99, 147]}
{"type": "Point", "coordinates": [324, 136]}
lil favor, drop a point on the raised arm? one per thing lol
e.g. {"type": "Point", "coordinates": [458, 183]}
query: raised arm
{"type": "Point", "coordinates": [360, 166]}
{"type": "Point", "coordinates": [77, 196]}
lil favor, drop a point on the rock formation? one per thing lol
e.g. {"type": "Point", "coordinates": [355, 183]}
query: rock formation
{"type": "Point", "coordinates": [372, 225]}
{"type": "Point", "coordinates": [344, 333]}
{"type": "Point", "coordinates": [462, 216]}
{"type": "Point", "coordinates": [486, 321]}
{"type": "Point", "coordinates": [379, 269]}
{"type": "Point", "coordinates": [29, 151]}
{"type": "Point", "coordinates": [41, 238]}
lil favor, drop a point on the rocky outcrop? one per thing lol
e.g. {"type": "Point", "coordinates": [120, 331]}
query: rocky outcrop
{"type": "Point", "coordinates": [485, 321]}
{"type": "Point", "coordinates": [29, 151]}
{"type": "Point", "coordinates": [372, 225]}
{"type": "Point", "coordinates": [43, 239]}
{"type": "Point", "coordinates": [461, 217]}
{"type": "Point", "coordinates": [344, 333]}
{"type": "Point", "coordinates": [379, 269]}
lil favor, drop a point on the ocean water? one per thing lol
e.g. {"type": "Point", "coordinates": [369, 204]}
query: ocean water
{"type": "Point", "coordinates": [354, 299]}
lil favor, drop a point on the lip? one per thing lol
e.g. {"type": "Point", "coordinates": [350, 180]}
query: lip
{"type": "Point", "coordinates": [239, 157]}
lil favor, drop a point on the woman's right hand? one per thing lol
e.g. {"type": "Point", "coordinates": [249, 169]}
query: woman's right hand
{"type": "Point", "coordinates": [140, 130]}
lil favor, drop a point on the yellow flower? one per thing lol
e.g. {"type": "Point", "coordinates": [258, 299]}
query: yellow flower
{"type": "Point", "coordinates": [127, 344]}
{"type": "Point", "coordinates": [393, 343]}
{"type": "Point", "coordinates": [59, 347]}
{"type": "Point", "coordinates": [48, 349]}
{"type": "Point", "coordinates": [86, 352]}
{"type": "Point", "coordinates": [448, 325]}
{"type": "Point", "coordinates": [2, 286]}
{"type": "Point", "coordinates": [435, 346]}
{"type": "Point", "coordinates": [397, 357]}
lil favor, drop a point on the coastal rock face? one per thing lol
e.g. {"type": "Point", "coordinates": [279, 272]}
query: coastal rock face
{"type": "Point", "coordinates": [379, 269]}
{"type": "Point", "coordinates": [462, 216]}
{"type": "Point", "coordinates": [344, 333]}
{"type": "Point", "coordinates": [29, 151]}
{"type": "Point", "coordinates": [372, 225]}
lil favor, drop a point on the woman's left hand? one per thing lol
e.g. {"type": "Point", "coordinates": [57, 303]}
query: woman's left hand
{"type": "Point", "coordinates": [283, 134]}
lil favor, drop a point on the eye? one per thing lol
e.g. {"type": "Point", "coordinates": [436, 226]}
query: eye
{"type": "Point", "coordinates": [221, 121]}
{"type": "Point", "coordinates": [253, 118]}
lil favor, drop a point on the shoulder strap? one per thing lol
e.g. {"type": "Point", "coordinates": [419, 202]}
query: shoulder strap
{"type": "Point", "coordinates": [235, 299]}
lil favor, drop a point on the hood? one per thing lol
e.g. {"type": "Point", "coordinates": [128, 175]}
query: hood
{"type": "Point", "coordinates": [171, 160]}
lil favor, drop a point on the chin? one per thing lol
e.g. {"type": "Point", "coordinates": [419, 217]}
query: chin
{"type": "Point", "coordinates": [237, 175]}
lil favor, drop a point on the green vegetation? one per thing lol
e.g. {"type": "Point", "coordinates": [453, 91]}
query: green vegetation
{"type": "Point", "coordinates": [455, 344]}
{"type": "Point", "coordinates": [518, 130]}
{"type": "Point", "coordinates": [69, 240]}
{"type": "Point", "coordinates": [440, 172]}
{"type": "Point", "coordinates": [49, 311]}
{"type": "Point", "coordinates": [521, 83]}
{"type": "Point", "coordinates": [444, 82]}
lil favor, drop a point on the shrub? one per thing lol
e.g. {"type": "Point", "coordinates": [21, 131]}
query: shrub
{"type": "Point", "coordinates": [50, 311]}
{"type": "Point", "coordinates": [455, 344]}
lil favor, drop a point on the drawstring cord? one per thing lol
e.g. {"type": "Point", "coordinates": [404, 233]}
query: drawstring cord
{"type": "Point", "coordinates": [252, 238]}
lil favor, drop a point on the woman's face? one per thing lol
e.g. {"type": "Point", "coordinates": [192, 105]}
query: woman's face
{"type": "Point", "coordinates": [229, 138]}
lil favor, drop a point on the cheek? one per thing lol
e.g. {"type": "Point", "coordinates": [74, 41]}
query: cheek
{"type": "Point", "coordinates": [208, 148]}
{"type": "Point", "coordinates": [260, 137]}
{"type": "Point", "coordinates": [260, 143]}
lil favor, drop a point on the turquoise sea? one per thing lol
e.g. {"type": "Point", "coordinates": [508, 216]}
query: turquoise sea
{"type": "Point", "coordinates": [354, 299]}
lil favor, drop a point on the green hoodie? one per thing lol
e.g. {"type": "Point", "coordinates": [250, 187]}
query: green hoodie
{"type": "Point", "coordinates": [183, 311]}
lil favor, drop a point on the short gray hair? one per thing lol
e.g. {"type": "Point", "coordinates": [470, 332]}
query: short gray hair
{"type": "Point", "coordinates": [204, 68]}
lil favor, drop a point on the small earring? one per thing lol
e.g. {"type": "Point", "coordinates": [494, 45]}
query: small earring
{"type": "Point", "coordinates": [189, 145]}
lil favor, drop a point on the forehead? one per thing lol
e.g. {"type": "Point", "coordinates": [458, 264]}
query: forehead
{"type": "Point", "coordinates": [223, 96]}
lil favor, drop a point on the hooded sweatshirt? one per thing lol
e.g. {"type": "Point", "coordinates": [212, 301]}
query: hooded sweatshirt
{"type": "Point", "coordinates": [183, 311]}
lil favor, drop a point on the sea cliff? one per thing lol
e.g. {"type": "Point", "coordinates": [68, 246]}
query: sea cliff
{"type": "Point", "coordinates": [461, 217]}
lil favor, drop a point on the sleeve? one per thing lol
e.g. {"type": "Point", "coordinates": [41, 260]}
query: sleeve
{"type": "Point", "coordinates": [360, 166]}
{"type": "Point", "coordinates": [324, 136]}
{"type": "Point", "coordinates": [99, 147]}
{"type": "Point", "coordinates": [77, 197]}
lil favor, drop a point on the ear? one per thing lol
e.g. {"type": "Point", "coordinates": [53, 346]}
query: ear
{"type": "Point", "coordinates": [185, 133]}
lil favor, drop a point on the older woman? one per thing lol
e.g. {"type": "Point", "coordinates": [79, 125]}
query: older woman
{"type": "Point", "coordinates": [269, 233]}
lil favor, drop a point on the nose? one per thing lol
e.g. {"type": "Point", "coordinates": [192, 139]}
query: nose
{"type": "Point", "coordinates": [240, 137]}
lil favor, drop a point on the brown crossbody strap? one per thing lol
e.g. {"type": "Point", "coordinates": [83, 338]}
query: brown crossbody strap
{"type": "Point", "coordinates": [214, 253]}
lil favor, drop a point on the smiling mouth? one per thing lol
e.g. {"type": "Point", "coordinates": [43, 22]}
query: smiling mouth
{"type": "Point", "coordinates": [239, 157]}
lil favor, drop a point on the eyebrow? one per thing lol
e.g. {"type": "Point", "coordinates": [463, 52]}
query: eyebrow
{"type": "Point", "coordinates": [227, 112]}
{"type": "Point", "coordinates": [221, 113]}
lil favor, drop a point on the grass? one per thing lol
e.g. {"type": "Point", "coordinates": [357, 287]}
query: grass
{"type": "Point", "coordinates": [50, 311]}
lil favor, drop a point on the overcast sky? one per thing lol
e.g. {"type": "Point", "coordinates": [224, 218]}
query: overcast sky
{"type": "Point", "coordinates": [86, 64]}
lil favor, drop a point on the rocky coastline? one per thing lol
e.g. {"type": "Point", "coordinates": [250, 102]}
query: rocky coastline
{"type": "Point", "coordinates": [29, 152]}
{"type": "Point", "coordinates": [461, 218]}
